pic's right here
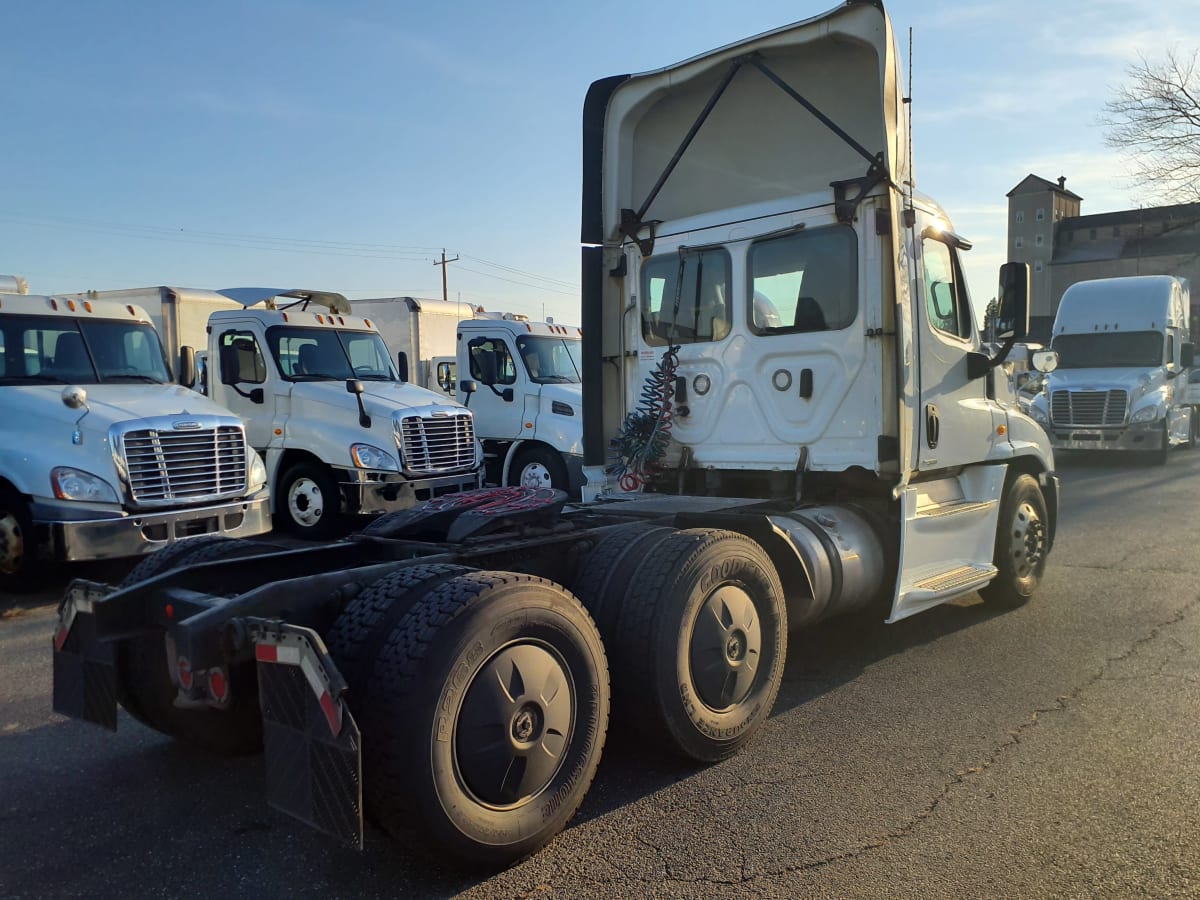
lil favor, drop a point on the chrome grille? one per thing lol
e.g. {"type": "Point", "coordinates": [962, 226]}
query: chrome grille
{"type": "Point", "coordinates": [431, 445]}
{"type": "Point", "coordinates": [1090, 408]}
{"type": "Point", "coordinates": [168, 466]}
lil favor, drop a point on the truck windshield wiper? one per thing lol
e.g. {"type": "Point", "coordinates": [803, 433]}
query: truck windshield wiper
{"type": "Point", "coordinates": [37, 379]}
{"type": "Point", "coordinates": [141, 379]}
{"type": "Point", "coordinates": [320, 376]}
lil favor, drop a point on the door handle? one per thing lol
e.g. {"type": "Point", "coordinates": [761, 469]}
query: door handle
{"type": "Point", "coordinates": [933, 426]}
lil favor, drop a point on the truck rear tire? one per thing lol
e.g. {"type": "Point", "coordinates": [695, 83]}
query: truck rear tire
{"type": "Point", "coordinates": [701, 643]}
{"type": "Point", "coordinates": [607, 571]}
{"type": "Point", "coordinates": [489, 707]}
{"type": "Point", "coordinates": [308, 502]}
{"type": "Point", "coordinates": [20, 570]}
{"type": "Point", "coordinates": [1021, 538]}
{"type": "Point", "coordinates": [538, 466]}
{"type": "Point", "coordinates": [144, 686]}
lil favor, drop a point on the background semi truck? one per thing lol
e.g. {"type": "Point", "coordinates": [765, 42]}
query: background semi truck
{"type": "Point", "coordinates": [101, 455]}
{"type": "Point", "coordinates": [528, 406]}
{"type": "Point", "coordinates": [1122, 345]}
{"type": "Point", "coordinates": [788, 415]}
{"type": "Point", "coordinates": [321, 399]}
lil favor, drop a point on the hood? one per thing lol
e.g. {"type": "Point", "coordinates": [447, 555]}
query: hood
{"type": "Point", "coordinates": [108, 404]}
{"type": "Point", "coordinates": [1131, 380]}
{"type": "Point", "coordinates": [381, 398]}
{"type": "Point", "coordinates": [564, 393]}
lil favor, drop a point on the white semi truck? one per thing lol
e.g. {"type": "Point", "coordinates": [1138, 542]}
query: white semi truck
{"type": "Point", "coordinates": [101, 455]}
{"type": "Point", "coordinates": [527, 407]}
{"type": "Point", "coordinates": [1122, 345]}
{"type": "Point", "coordinates": [321, 400]}
{"type": "Point", "coordinates": [788, 415]}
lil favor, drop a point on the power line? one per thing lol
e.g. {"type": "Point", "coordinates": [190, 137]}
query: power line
{"type": "Point", "coordinates": [497, 265]}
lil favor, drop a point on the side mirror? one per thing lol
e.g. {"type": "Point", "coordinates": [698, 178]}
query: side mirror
{"type": "Point", "coordinates": [402, 364]}
{"type": "Point", "coordinates": [74, 397]}
{"type": "Point", "coordinates": [256, 396]}
{"type": "Point", "coordinates": [1187, 355]}
{"type": "Point", "coordinates": [355, 387]}
{"type": "Point", "coordinates": [187, 366]}
{"type": "Point", "coordinates": [468, 385]}
{"type": "Point", "coordinates": [1012, 301]}
{"type": "Point", "coordinates": [507, 395]}
{"type": "Point", "coordinates": [1044, 360]}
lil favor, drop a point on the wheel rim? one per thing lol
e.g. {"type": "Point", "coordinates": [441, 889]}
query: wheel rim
{"type": "Point", "coordinates": [1028, 540]}
{"type": "Point", "coordinates": [305, 502]}
{"type": "Point", "coordinates": [725, 647]}
{"type": "Point", "coordinates": [514, 725]}
{"type": "Point", "coordinates": [535, 474]}
{"type": "Point", "coordinates": [12, 543]}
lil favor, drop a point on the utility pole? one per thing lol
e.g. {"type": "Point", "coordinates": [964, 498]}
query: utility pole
{"type": "Point", "coordinates": [445, 262]}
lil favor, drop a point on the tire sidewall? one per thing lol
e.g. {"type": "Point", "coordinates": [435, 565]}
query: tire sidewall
{"type": "Point", "coordinates": [702, 731]}
{"type": "Point", "coordinates": [471, 641]}
{"type": "Point", "coordinates": [331, 497]}
{"type": "Point", "coordinates": [1023, 489]}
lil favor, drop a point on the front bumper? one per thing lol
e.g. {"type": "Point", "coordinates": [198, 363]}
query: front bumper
{"type": "Point", "coordinates": [132, 534]}
{"type": "Point", "coordinates": [367, 493]}
{"type": "Point", "coordinates": [1142, 436]}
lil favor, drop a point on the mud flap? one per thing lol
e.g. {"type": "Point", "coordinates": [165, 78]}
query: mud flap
{"type": "Point", "coordinates": [311, 744]}
{"type": "Point", "coordinates": [85, 674]}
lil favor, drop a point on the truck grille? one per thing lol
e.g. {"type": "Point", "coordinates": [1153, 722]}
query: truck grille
{"type": "Point", "coordinates": [1088, 407]}
{"type": "Point", "coordinates": [201, 464]}
{"type": "Point", "coordinates": [434, 444]}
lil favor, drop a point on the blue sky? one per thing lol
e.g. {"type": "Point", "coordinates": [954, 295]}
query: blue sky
{"type": "Point", "coordinates": [342, 145]}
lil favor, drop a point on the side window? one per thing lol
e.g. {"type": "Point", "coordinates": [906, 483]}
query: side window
{"type": "Point", "coordinates": [685, 298]}
{"type": "Point", "coordinates": [491, 363]}
{"type": "Point", "coordinates": [945, 300]}
{"type": "Point", "coordinates": [241, 359]}
{"type": "Point", "coordinates": [807, 281]}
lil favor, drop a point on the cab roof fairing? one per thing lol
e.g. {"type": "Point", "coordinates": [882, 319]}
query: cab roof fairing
{"type": "Point", "coordinates": [252, 296]}
{"type": "Point", "coordinates": [758, 144]}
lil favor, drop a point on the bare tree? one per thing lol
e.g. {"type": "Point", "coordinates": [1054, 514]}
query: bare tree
{"type": "Point", "coordinates": [1155, 119]}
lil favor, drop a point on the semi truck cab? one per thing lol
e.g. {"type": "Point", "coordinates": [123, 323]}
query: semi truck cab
{"type": "Point", "coordinates": [323, 402]}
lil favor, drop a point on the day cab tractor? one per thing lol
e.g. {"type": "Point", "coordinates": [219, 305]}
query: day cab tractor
{"type": "Point", "coordinates": [788, 415]}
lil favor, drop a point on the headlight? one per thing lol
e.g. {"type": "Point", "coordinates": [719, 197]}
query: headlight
{"type": "Point", "coordinates": [367, 457]}
{"type": "Point", "coordinates": [258, 472]}
{"type": "Point", "coordinates": [75, 484]}
{"type": "Point", "coordinates": [1145, 414]}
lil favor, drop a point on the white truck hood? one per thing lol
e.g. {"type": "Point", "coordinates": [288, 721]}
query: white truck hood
{"type": "Point", "coordinates": [108, 405]}
{"type": "Point", "coordinates": [381, 398]}
{"type": "Point", "coordinates": [565, 393]}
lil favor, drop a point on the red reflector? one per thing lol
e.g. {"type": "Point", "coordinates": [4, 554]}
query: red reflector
{"type": "Point", "coordinates": [185, 673]}
{"type": "Point", "coordinates": [266, 652]}
{"type": "Point", "coordinates": [330, 711]}
{"type": "Point", "coordinates": [60, 637]}
{"type": "Point", "coordinates": [170, 610]}
{"type": "Point", "coordinates": [218, 684]}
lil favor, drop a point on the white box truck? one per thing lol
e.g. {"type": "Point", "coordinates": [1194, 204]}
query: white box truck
{"type": "Point", "coordinates": [832, 445]}
{"type": "Point", "coordinates": [321, 400]}
{"type": "Point", "coordinates": [1122, 345]}
{"type": "Point", "coordinates": [101, 455]}
{"type": "Point", "coordinates": [422, 334]}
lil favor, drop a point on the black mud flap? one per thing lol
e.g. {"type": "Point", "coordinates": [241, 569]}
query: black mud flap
{"type": "Point", "coordinates": [311, 744]}
{"type": "Point", "coordinates": [85, 675]}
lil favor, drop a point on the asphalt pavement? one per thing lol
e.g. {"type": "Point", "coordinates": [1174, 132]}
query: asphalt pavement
{"type": "Point", "coordinates": [967, 752]}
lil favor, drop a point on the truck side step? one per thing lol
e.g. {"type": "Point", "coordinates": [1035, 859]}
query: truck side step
{"type": "Point", "coordinates": [944, 585]}
{"type": "Point", "coordinates": [954, 508]}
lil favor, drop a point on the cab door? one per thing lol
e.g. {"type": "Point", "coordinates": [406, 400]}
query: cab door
{"type": "Point", "coordinates": [954, 415]}
{"type": "Point", "coordinates": [239, 382]}
{"type": "Point", "coordinates": [497, 405]}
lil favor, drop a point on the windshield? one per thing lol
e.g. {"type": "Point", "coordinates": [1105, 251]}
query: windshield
{"type": "Point", "coordinates": [61, 350]}
{"type": "Point", "coordinates": [1109, 350]}
{"type": "Point", "coordinates": [313, 354]}
{"type": "Point", "coordinates": [551, 360]}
